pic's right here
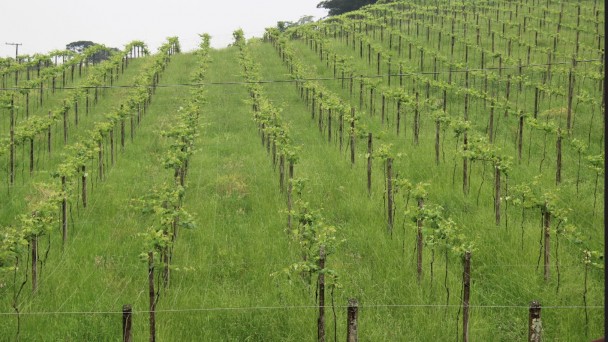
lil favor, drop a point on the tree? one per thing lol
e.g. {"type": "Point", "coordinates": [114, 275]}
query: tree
{"type": "Point", "coordinates": [305, 19]}
{"type": "Point", "coordinates": [336, 7]}
{"type": "Point", "coordinates": [81, 45]}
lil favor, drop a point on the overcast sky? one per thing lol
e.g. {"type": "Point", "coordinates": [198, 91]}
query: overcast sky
{"type": "Point", "coordinates": [45, 25]}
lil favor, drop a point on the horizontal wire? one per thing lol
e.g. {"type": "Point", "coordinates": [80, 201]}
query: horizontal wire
{"type": "Point", "coordinates": [297, 79]}
{"type": "Point", "coordinates": [299, 307]}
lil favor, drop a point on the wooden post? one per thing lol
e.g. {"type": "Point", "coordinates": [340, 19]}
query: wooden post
{"type": "Point", "coordinates": [369, 163]}
{"type": "Point", "coordinates": [122, 134]}
{"type": "Point", "coordinates": [321, 320]}
{"type": "Point", "coordinates": [465, 167]}
{"type": "Point", "coordinates": [65, 125]}
{"type": "Point", "coordinates": [547, 234]}
{"type": "Point", "coordinates": [313, 106]}
{"type": "Point", "coordinates": [466, 279]}
{"type": "Point", "coordinates": [520, 139]}
{"type": "Point", "coordinates": [534, 322]}
{"type": "Point", "coordinates": [389, 193]}
{"type": "Point", "coordinates": [41, 92]}
{"type": "Point", "coordinates": [100, 159]}
{"type": "Point", "coordinates": [398, 115]}
{"type": "Point", "coordinates": [570, 97]}
{"type": "Point", "coordinates": [132, 127]}
{"type": "Point", "coordinates": [497, 194]}
{"type": "Point", "coordinates": [465, 177]}
{"type": "Point", "coordinates": [558, 147]}
{"type": "Point", "coordinates": [127, 315]}
{"type": "Point", "coordinates": [383, 108]}
{"type": "Point", "coordinates": [289, 193]}
{"type": "Point", "coordinates": [437, 140]}
{"type": "Point", "coordinates": [352, 137]}
{"type": "Point", "coordinates": [416, 121]}
{"type": "Point", "coordinates": [11, 169]}
{"type": "Point", "coordinates": [329, 125]}
{"type": "Point", "coordinates": [76, 112]}
{"type": "Point", "coordinates": [419, 243]}
{"type": "Point", "coordinates": [361, 93]}
{"type": "Point", "coordinates": [152, 296]}
{"type": "Point", "coordinates": [389, 71]}
{"type": "Point", "coordinates": [64, 212]}
{"type": "Point", "coordinates": [84, 186]}
{"type": "Point", "coordinates": [27, 104]}
{"type": "Point", "coordinates": [341, 130]}
{"type": "Point", "coordinates": [48, 137]}
{"type": "Point", "coordinates": [34, 246]}
{"type": "Point", "coordinates": [282, 172]}
{"type": "Point", "coordinates": [352, 312]}
{"type": "Point", "coordinates": [371, 100]}
{"type": "Point", "coordinates": [112, 146]}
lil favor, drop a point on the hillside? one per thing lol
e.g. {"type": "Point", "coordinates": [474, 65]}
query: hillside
{"type": "Point", "coordinates": [365, 157]}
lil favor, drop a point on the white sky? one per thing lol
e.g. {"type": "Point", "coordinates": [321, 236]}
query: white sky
{"type": "Point", "coordinates": [45, 25]}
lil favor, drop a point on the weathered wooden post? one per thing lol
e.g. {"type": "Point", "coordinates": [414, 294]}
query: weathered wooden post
{"type": "Point", "coordinates": [321, 319]}
{"type": "Point", "coordinates": [466, 279]}
{"type": "Point", "coordinates": [534, 322]}
{"type": "Point", "coordinates": [546, 215]}
{"type": "Point", "coordinates": [64, 212]}
{"type": "Point", "coordinates": [497, 194]}
{"type": "Point", "coordinates": [369, 164]}
{"type": "Point", "coordinates": [84, 186]}
{"type": "Point", "coordinates": [152, 296]}
{"type": "Point", "coordinates": [352, 312]}
{"type": "Point", "coordinates": [352, 137]}
{"type": "Point", "coordinates": [389, 194]}
{"type": "Point", "coordinates": [419, 242]}
{"type": "Point", "coordinates": [127, 336]}
{"type": "Point", "coordinates": [11, 169]}
{"type": "Point", "coordinates": [289, 193]}
{"type": "Point", "coordinates": [282, 172]}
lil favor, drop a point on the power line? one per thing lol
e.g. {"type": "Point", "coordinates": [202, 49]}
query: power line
{"type": "Point", "coordinates": [16, 49]}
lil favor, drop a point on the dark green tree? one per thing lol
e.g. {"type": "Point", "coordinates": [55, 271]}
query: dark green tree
{"type": "Point", "coordinates": [336, 7]}
{"type": "Point", "coordinates": [81, 45]}
{"type": "Point", "coordinates": [305, 19]}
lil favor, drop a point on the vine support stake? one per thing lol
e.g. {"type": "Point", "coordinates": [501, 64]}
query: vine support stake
{"type": "Point", "coordinates": [152, 296]}
{"type": "Point", "coordinates": [466, 279]}
{"type": "Point", "coordinates": [389, 194]}
{"type": "Point", "coordinates": [547, 234]}
{"type": "Point", "coordinates": [289, 193]}
{"type": "Point", "coordinates": [534, 322]}
{"type": "Point", "coordinates": [321, 320]}
{"type": "Point", "coordinates": [64, 212]}
{"type": "Point", "coordinates": [369, 164]}
{"type": "Point", "coordinates": [11, 169]}
{"type": "Point", "coordinates": [352, 313]}
{"type": "Point", "coordinates": [497, 195]}
{"type": "Point", "coordinates": [419, 242]}
{"type": "Point", "coordinates": [127, 315]}
{"type": "Point", "coordinates": [352, 137]}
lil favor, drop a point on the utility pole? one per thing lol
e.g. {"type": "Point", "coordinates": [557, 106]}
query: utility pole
{"type": "Point", "coordinates": [16, 50]}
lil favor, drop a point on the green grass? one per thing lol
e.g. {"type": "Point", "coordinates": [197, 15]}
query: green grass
{"type": "Point", "coordinates": [224, 290]}
{"type": "Point", "coordinates": [45, 163]}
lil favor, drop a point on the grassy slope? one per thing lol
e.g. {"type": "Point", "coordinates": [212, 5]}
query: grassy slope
{"type": "Point", "coordinates": [239, 241]}
{"type": "Point", "coordinates": [489, 285]}
{"type": "Point", "coordinates": [109, 99]}
{"type": "Point", "coordinates": [101, 260]}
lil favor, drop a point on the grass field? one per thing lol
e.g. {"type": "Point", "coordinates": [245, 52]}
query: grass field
{"type": "Point", "coordinates": [227, 281]}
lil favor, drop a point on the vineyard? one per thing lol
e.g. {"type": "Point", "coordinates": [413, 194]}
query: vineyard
{"type": "Point", "coordinates": [403, 172]}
